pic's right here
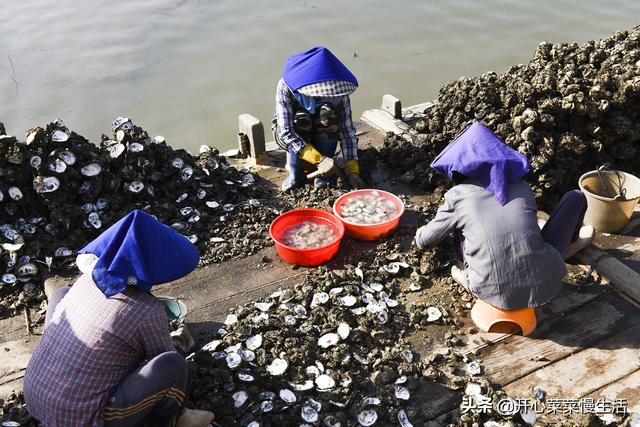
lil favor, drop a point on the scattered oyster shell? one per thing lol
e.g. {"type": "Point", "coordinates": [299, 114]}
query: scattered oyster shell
{"type": "Point", "coordinates": [401, 392]}
{"type": "Point", "coordinates": [371, 401]}
{"type": "Point", "coordinates": [92, 169]}
{"type": "Point", "coordinates": [211, 346]}
{"type": "Point", "coordinates": [473, 389]}
{"type": "Point", "coordinates": [433, 314]}
{"type": "Point", "coordinates": [348, 300]}
{"type": "Point", "coordinates": [474, 368]}
{"type": "Point", "coordinates": [306, 385]}
{"type": "Point", "coordinates": [186, 173]}
{"type": "Point", "coordinates": [231, 319]}
{"type": "Point", "coordinates": [15, 193]}
{"type": "Point", "coordinates": [403, 419]}
{"type": "Point", "coordinates": [57, 166]}
{"type": "Point", "coordinates": [287, 395]}
{"type": "Point", "coordinates": [136, 147]}
{"type": "Point", "coordinates": [177, 163]}
{"type": "Point", "coordinates": [135, 186]}
{"type": "Point", "coordinates": [254, 342]}
{"type": "Point", "coordinates": [245, 377]}
{"type": "Point", "coordinates": [343, 330]}
{"type": "Point", "coordinates": [263, 306]}
{"type": "Point", "coordinates": [309, 414]}
{"type": "Point", "coordinates": [247, 355]}
{"type": "Point", "coordinates": [68, 157]}
{"type": "Point", "coordinates": [266, 406]}
{"type": "Point", "coordinates": [59, 136]}
{"type": "Point", "coordinates": [115, 150]}
{"type": "Point", "coordinates": [212, 204]}
{"type": "Point", "coordinates": [233, 360]}
{"type": "Point", "coordinates": [414, 287]}
{"type": "Point", "coordinates": [328, 340]}
{"type": "Point", "coordinates": [9, 278]}
{"type": "Point", "coordinates": [324, 382]}
{"type": "Point", "coordinates": [239, 398]}
{"type": "Point", "coordinates": [528, 415]}
{"type": "Point", "coordinates": [35, 162]}
{"type": "Point", "coordinates": [277, 366]}
{"type": "Point", "coordinates": [319, 299]}
{"type": "Point", "coordinates": [368, 417]}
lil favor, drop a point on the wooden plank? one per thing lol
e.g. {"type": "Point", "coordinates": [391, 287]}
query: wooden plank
{"type": "Point", "coordinates": [619, 275]}
{"type": "Point", "coordinates": [625, 388]}
{"type": "Point", "coordinates": [568, 299]}
{"type": "Point", "coordinates": [558, 338]}
{"type": "Point", "coordinates": [585, 372]}
{"type": "Point", "coordinates": [383, 121]}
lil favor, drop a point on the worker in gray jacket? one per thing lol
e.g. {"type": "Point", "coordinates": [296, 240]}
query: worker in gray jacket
{"type": "Point", "coordinates": [508, 261]}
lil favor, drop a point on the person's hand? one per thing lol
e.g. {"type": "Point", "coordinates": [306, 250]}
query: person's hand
{"type": "Point", "coordinates": [326, 167]}
{"type": "Point", "coordinates": [310, 155]}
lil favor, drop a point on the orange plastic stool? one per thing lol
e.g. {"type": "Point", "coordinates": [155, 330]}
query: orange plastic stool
{"type": "Point", "coordinates": [493, 319]}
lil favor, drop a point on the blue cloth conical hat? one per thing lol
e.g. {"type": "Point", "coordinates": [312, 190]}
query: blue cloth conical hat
{"type": "Point", "coordinates": [315, 65]}
{"type": "Point", "coordinates": [139, 246]}
{"type": "Point", "coordinates": [481, 155]}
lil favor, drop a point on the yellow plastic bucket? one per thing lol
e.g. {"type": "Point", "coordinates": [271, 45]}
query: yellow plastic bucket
{"type": "Point", "coordinates": [604, 212]}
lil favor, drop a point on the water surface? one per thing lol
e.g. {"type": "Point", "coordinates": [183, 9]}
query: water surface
{"type": "Point", "coordinates": [185, 69]}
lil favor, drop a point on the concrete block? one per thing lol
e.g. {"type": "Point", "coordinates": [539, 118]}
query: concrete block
{"type": "Point", "coordinates": [253, 129]}
{"type": "Point", "coordinates": [392, 105]}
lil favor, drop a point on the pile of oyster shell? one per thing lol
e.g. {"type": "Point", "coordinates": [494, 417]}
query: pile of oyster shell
{"type": "Point", "coordinates": [58, 191]}
{"type": "Point", "coordinates": [570, 109]}
{"type": "Point", "coordinates": [330, 352]}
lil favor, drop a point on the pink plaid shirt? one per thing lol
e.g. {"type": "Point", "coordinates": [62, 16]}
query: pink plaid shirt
{"type": "Point", "coordinates": [90, 346]}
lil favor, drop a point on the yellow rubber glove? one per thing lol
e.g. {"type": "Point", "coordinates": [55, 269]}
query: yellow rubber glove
{"type": "Point", "coordinates": [352, 166]}
{"type": "Point", "coordinates": [310, 154]}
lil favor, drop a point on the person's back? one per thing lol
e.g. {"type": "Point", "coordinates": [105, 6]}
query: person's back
{"type": "Point", "coordinates": [508, 264]}
{"type": "Point", "coordinates": [90, 345]}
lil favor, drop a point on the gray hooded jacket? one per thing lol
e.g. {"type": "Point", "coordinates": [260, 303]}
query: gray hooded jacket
{"type": "Point", "coordinates": [507, 262]}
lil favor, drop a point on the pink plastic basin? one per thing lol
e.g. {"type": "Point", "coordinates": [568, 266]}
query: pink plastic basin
{"type": "Point", "coordinates": [305, 257]}
{"type": "Point", "coordinates": [369, 231]}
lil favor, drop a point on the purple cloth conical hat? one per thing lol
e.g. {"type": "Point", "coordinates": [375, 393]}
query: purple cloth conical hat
{"type": "Point", "coordinates": [481, 155]}
{"type": "Point", "coordinates": [140, 249]}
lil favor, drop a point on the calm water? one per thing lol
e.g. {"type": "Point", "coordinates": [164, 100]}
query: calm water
{"type": "Point", "coordinates": [185, 69]}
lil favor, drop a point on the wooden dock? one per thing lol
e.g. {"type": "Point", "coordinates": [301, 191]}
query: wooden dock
{"type": "Point", "coordinates": [586, 345]}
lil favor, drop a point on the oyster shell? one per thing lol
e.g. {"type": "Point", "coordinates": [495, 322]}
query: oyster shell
{"type": "Point", "coordinates": [403, 419]}
{"type": "Point", "coordinates": [277, 367]}
{"type": "Point", "coordinates": [367, 417]}
{"type": "Point", "coordinates": [59, 136]}
{"type": "Point", "coordinates": [287, 395]}
{"type": "Point", "coordinates": [239, 398]}
{"type": "Point", "coordinates": [15, 193]}
{"type": "Point", "coordinates": [92, 169]}
{"type": "Point", "coordinates": [68, 157]}
{"type": "Point", "coordinates": [328, 340]}
{"type": "Point", "coordinates": [324, 382]}
{"type": "Point", "coordinates": [433, 314]}
{"type": "Point", "coordinates": [254, 342]}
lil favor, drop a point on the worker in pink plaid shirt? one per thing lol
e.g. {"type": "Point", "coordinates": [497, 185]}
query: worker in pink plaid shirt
{"type": "Point", "coordinates": [106, 357]}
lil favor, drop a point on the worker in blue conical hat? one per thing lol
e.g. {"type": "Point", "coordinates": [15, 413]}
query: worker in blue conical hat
{"type": "Point", "coordinates": [509, 262]}
{"type": "Point", "coordinates": [106, 357]}
{"type": "Point", "coordinates": [313, 113]}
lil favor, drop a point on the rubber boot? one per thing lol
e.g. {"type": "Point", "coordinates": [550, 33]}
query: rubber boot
{"type": "Point", "coordinates": [295, 167]}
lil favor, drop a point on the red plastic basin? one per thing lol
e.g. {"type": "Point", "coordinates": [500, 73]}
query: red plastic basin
{"type": "Point", "coordinates": [305, 257]}
{"type": "Point", "coordinates": [369, 231]}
